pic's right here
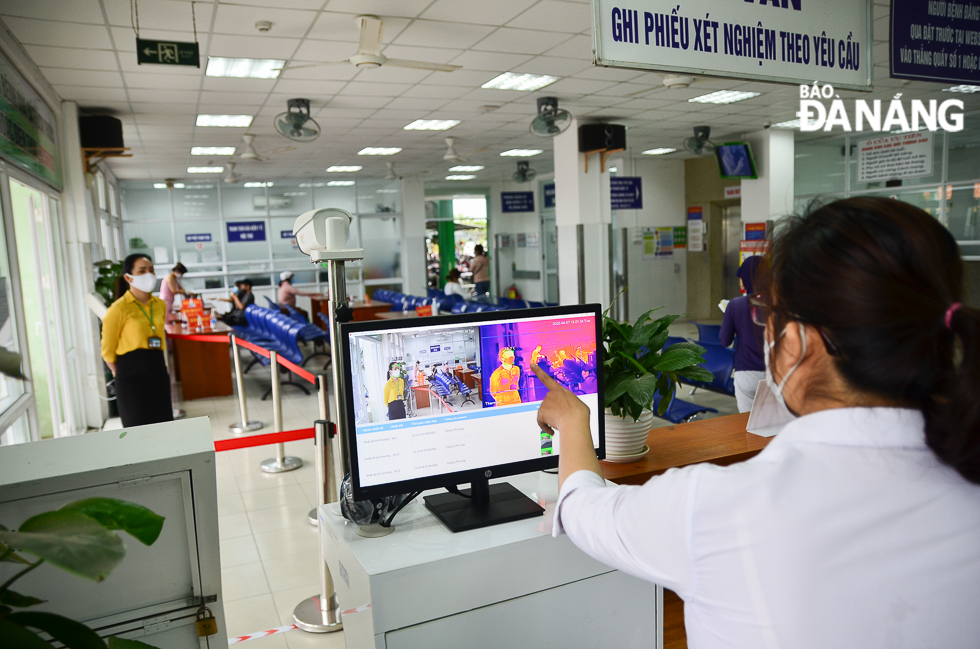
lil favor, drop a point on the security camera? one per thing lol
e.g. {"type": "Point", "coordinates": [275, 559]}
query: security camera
{"type": "Point", "coordinates": [263, 25]}
{"type": "Point", "coordinates": [322, 234]}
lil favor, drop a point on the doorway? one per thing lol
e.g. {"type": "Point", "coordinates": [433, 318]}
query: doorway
{"type": "Point", "coordinates": [454, 226]}
{"type": "Point", "coordinates": [734, 233]}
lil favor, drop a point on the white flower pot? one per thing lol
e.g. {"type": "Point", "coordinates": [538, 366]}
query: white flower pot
{"type": "Point", "coordinates": [625, 437]}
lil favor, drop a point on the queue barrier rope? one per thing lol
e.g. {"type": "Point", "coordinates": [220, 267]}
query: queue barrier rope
{"type": "Point", "coordinates": [264, 439]}
{"type": "Point", "coordinates": [261, 351]}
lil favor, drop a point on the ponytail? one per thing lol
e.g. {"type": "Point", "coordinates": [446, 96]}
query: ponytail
{"type": "Point", "coordinates": [953, 416]}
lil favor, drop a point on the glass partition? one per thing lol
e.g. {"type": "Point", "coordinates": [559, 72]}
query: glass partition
{"type": "Point", "coordinates": [379, 196]}
{"type": "Point", "coordinates": [196, 202]}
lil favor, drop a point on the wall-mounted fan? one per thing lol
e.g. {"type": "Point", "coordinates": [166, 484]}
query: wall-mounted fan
{"type": "Point", "coordinates": [296, 124]}
{"type": "Point", "coordinates": [248, 151]}
{"type": "Point", "coordinates": [368, 54]}
{"type": "Point", "coordinates": [230, 176]}
{"type": "Point", "coordinates": [550, 120]}
{"type": "Point", "coordinates": [524, 173]}
{"type": "Point", "coordinates": [701, 142]}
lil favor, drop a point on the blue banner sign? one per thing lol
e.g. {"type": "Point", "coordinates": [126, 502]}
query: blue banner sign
{"type": "Point", "coordinates": [517, 201]}
{"type": "Point", "coordinates": [626, 193]}
{"type": "Point", "coordinates": [194, 238]}
{"type": "Point", "coordinates": [549, 196]}
{"type": "Point", "coordinates": [286, 234]}
{"type": "Point", "coordinates": [935, 41]}
{"type": "Point", "coordinates": [433, 348]}
{"type": "Point", "coordinates": [240, 231]}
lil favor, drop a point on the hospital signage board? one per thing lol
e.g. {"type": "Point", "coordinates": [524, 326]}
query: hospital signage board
{"type": "Point", "coordinates": [549, 196]}
{"type": "Point", "coordinates": [195, 238]}
{"type": "Point", "coordinates": [517, 201]}
{"type": "Point", "coordinates": [786, 41]}
{"type": "Point", "coordinates": [935, 41]}
{"type": "Point", "coordinates": [240, 231]}
{"type": "Point", "coordinates": [28, 130]}
{"type": "Point", "coordinates": [626, 193]}
{"type": "Point", "coordinates": [905, 155]}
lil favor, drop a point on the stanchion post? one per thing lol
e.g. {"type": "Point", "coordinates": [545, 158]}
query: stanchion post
{"type": "Point", "coordinates": [174, 393]}
{"type": "Point", "coordinates": [337, 277]}
{"type": "Point", "coordinates": [281, 462]}
{"type": "Point", "coordinates": [243, 425]}
{"type": "Point", "coordinates": [321, 613]}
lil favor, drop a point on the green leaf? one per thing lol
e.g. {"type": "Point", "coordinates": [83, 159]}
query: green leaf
{"type": "Point", "coordinates": [69, 540]}
{"type": "Point", "coordinates": [697, 374]}
{"type": "Point", "coordinates": [694, 347]}
{"type": "Point", "coordinates": [646, 316]}
{"type": "Point", "coordinates": [616, 388]}
{"type": "Point", "coordinates": [676, 360]}
{"type": "Point", "coordinates": [72, 634]}
{"type": "Point", "coordinates": [123, 643]}
{"type": "Point", "coordinates": [665, 403]}
{"type": "Point", "coordinates": [140, 522]}
{"type": "Point", "coordinates": [11, 598]}
{"type": "Point", "coordinates": [15, 636]}
{"type": "Point", "coordinates": [641, 389]}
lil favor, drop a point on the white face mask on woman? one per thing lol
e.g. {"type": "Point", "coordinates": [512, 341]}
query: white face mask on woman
{"type": "Point", "coordinates": [145, 282]}
{"type": "Point", "coordinates": [777, 388]}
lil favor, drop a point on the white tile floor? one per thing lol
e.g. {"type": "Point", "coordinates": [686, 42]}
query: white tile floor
{"type": "Point", "coordinates": [268, 547]}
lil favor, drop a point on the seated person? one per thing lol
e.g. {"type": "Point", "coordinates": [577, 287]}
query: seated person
{"type": "Point", "coordinates": [453, 287]}
{"type": "Point", "coordinates": [241, 299]}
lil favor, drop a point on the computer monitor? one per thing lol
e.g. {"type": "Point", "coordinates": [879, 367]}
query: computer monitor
{"type": "Point", "coordinates": [410, 430]}
{"type": "Point", "coordinates": [735, 160]}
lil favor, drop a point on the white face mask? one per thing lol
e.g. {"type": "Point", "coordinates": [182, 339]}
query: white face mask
{"type": "Point", "coordinates": [777, 389]}
{"type": "Point", "coordinates": [145, 282]}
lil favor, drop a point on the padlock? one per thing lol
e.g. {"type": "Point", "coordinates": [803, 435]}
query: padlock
{"type": "Point", "coordinates": [206, 622]}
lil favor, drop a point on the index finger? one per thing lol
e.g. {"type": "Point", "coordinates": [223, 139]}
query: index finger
{"type": "Point", "coordinates": [549, 382]}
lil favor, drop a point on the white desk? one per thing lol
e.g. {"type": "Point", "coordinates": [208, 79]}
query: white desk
{"type": "Point", "coordinates": [504, 586]}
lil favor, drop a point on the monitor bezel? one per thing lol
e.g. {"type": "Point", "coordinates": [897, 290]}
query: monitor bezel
{"type": "Point", "coordinates": [459, 477]}
{"type": "Point", "coordinates": [748, 150]}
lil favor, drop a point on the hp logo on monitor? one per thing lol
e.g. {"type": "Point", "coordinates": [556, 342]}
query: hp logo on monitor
{"type": "Point", "coordinates": [487, 474]}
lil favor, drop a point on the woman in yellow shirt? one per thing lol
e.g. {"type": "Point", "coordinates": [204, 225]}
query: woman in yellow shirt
{"type": "Point", "coordinates": [133, 343]}
{"type": "Point", "coordinates": [394, 395]}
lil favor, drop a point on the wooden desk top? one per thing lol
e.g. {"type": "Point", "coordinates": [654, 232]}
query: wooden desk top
{"type": "Point", "coordinates": [721, 440]}
{"type": "Point", "coordinates": [370, 305]}
{"type": "Point", "coordinates": [175, 329]}
{"type": "Point", "coordinates": [397, 315]}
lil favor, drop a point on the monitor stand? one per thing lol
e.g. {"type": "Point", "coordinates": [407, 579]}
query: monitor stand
{"type": "Point", "coordinates": [489, 505]}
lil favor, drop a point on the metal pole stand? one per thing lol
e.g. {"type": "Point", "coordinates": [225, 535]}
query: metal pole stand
{"type": "Point", "coordinates": [243, 425]}
{"type": "Point", "coordinates": [281, 462]}
{"type": "Point", "coordinates": [321, 613]}
{"type": "Point", "coordinates": [174, 393]}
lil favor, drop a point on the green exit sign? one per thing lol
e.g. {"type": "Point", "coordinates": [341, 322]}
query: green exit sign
{"type": "Point", "coordinates": [167, 53]}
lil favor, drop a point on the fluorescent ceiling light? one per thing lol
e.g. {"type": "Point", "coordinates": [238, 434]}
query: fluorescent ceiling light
{"type": "Point", "coordinates": [966, 89]}
{"type": "Point", "coordinates": [724, 97]}
{"type": "Point", "coordinates": [212, 150]}
{"type": "Point", "coordinates": [164, 185]}
{"type": "Point", "coordinates": [467, 168]}
{"type": "Point", "coordinates": [464, 177]}
{"type": "Point", "coordinates": [792, 123]}
{"type": "Point", "coordinates": [660, 151]}
{"type": "Point", "coordinates": [340, 183]}
{"type": "Point", "coordinates": [205, 170]}
{"type": "Point", "coordinates": [312, 184]}
{"type": "Point", "coordinates": [344, 168]}
{"type": "Point", "coordinates": [240, 121]}
{"type": "Point", "coordinates": [521, 153]}
{"type": "Point", "coordinates": [431, 124]}
{"type": "Point", "coordinates": [519, 81]}
{"type": "Point", "coordinates": [379, 150]}
{"type": "Point", "coordinates": [613, 170]}
{"type": "Point", "coordinates": [244, 68]}
{"type": "Point", "coordinates": [258, 184]}
{"type": "Point", "coordinates": [388, 191]}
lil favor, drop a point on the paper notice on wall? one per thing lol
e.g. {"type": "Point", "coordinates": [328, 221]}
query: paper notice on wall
{"type": "Point", "coordinates": [906, 155]}
{"type": "Point", "coordinates": [695, 229]}
{"type": "Point", "coordinates": [532, 239]}
{"type": "Point", "coordinates": [160, 255]}
{"type": "Point", "coordinates": [658, 243]}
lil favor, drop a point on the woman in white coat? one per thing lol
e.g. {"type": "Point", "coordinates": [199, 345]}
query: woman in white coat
{"type": "Point", "coordinates": [859, 525]}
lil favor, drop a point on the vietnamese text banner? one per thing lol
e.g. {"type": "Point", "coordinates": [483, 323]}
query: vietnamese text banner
{"type": "Point", "coordinates": [246, 231]}
{"type": "Point", "coordinates": [935, 41]}
{"type": "Point", "coordinates": [28, 130]}
{"type": "Point", "coordinates": [787, 41]}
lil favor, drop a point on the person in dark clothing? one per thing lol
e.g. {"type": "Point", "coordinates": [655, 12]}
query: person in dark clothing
{"type": "Point", "coordinates": [241, 300]}
{"type": "Point", "coordinates": [737, 324]}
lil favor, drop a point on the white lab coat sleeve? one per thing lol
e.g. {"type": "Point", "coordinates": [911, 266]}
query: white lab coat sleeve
{"type": "Point", "coordinates": [644, 531]}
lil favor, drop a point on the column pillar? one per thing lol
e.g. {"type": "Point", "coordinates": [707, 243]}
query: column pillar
{"type": "Point", "coordinates": [581, 199]}
{"type": "Point", "coordinates": [771, 195]}
{"type": "Point", "coordinates": [447, 240]}
{"type": "Point", "coordinates": [413, 243]}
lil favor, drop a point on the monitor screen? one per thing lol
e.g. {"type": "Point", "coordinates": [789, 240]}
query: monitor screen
{"type": "Point", "coordinates": [443, 400]}
{"type": "Point", "coordinates": [735, 160]}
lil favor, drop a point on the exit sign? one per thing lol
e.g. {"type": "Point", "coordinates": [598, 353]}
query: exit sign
{"type": "Point", "coordinates": [167, 53]}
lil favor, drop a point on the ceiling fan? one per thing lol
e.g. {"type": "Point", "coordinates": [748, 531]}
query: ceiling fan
{"type": "Point", "coordinates": [248, 151]}
{"type": "Point", "coordinates": [230, 176]}
{"type": "Point", "coordinates": [368, 54]}
{"type": "Point", "coordinates": [451, 154]}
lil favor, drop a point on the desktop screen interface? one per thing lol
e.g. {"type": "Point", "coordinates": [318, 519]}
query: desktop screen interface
{"type": "Point", "coordinates": [436, 400]}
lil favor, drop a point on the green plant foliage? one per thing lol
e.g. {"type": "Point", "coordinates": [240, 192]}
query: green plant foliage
{"type": "Point", "coordinates": [636, 366]}
{"type": "Point", "coordinates": [108, 273]}
{"type": "Point", "coordinates": [78, 538]}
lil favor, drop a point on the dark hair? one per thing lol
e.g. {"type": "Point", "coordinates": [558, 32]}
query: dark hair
{"type": "Point", "coordinates": [392, 365]}
{"type": "Point", "coordinates": [879, 277]}
{"type": "Point", "coordinates": [179, 268]}
{"type": "Point", "coordinates": [127, 269]}
{"type": "Point", "coordinates": [453, 274]}
{"type": "Point", "coordinates": [244, 282]}
{"type": "Point", "coordinates": [478, 249]}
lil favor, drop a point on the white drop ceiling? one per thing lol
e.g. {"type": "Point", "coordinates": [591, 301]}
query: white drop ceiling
{"type": "Point", "coordinates": [86, 49]}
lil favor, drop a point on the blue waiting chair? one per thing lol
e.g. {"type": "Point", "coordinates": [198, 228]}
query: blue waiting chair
{"type": "Point", "coordinates": [679, 411]}
{"type": "Point", "coordinates": [708, 333]}
{"type": "Point", "coordinates": [720, 361]}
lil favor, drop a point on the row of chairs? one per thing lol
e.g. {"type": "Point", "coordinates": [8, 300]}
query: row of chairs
{"type": "Point", "coordinates": [271, 330]}
{"type": "Point", "coordinates": [451, 303]}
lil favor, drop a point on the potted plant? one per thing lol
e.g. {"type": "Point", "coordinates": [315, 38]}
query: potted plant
{"type": "Point", "coordinates": [637, 366]}
{"type": "Point", "coordinates": [108, 273]}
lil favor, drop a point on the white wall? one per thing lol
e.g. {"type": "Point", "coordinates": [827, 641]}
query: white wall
{"type": "Point", "coordinates": [771, 195]}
